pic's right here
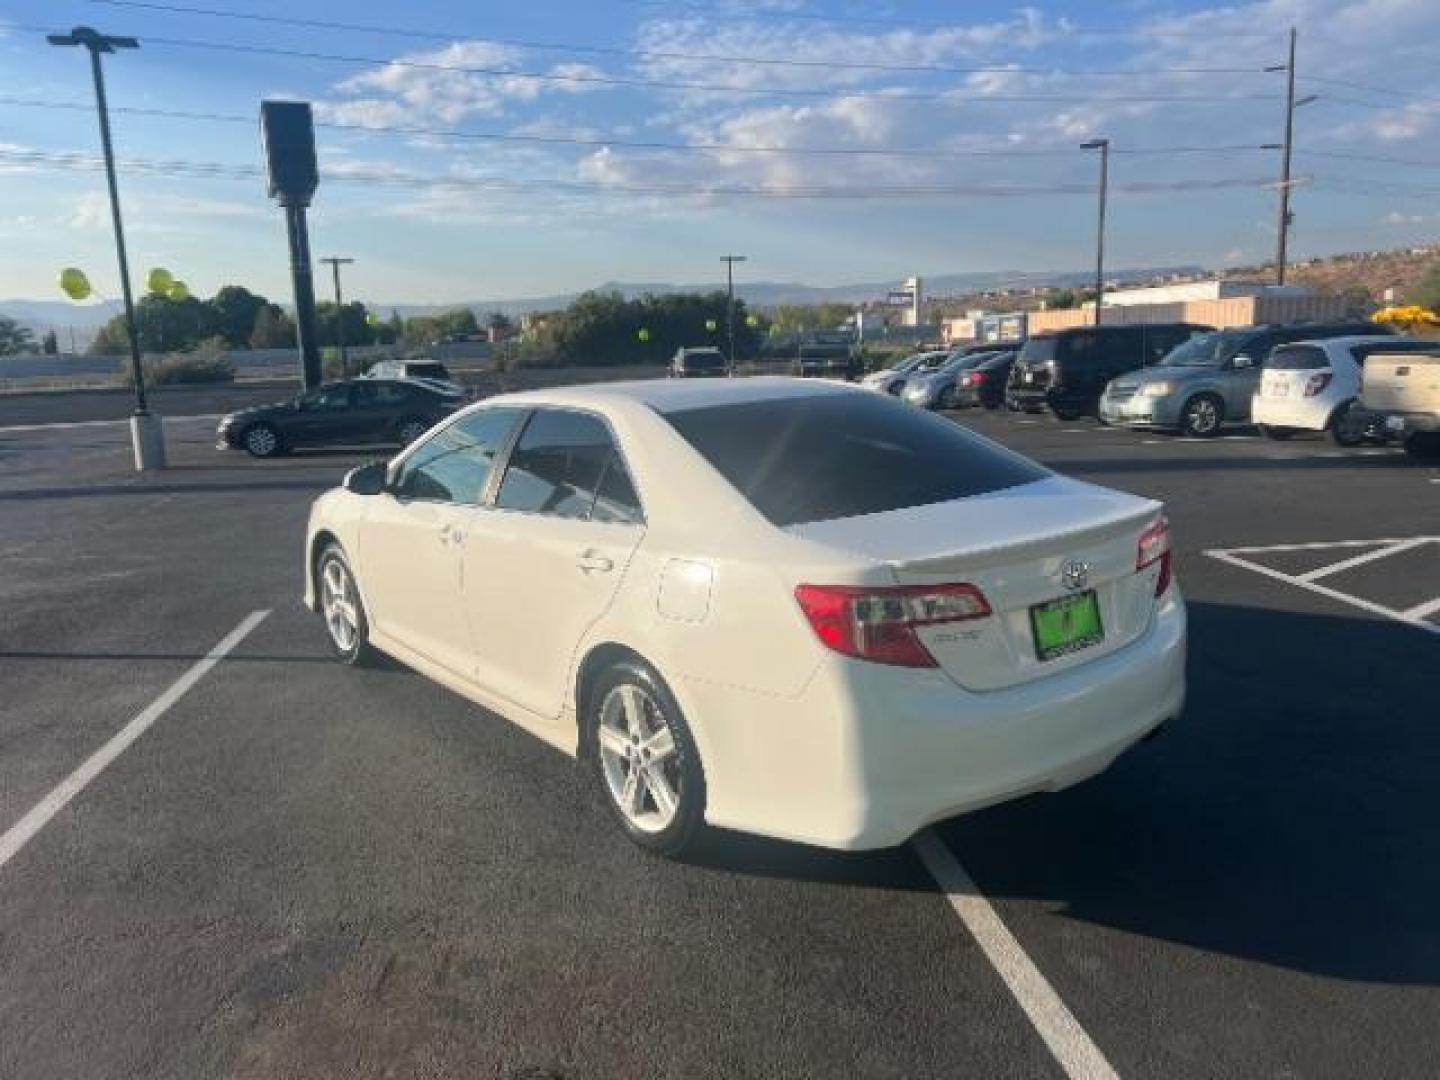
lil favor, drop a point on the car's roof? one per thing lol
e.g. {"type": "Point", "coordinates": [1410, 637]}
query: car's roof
{"type": "Point", "coordinates": [675, 395]}
{"type": "Point", "coordinates": [1348, 340]}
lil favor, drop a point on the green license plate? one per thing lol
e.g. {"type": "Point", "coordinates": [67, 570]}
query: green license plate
{"type": "Point", "coordinates": [1067, 625]}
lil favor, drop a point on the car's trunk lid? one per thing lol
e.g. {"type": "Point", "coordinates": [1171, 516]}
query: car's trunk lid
{"type": "Point", "coordinates": [1402, 382]}
{"type": "Point", "coordinates": [1015, 545]}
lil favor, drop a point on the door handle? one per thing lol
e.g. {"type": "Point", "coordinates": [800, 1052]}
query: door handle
{"type": "Point", "coordinates": [449, 533]}
{"type": "Point", "coordinates": [591, 562]}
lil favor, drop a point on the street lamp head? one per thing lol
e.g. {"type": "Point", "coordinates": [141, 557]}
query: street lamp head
{"type": "Point", "coordinates": [1095, 144]}
{"type": "Point", "coordinates": [93, 40]}
{"type": "Point", "coordinates": [1307, 99]}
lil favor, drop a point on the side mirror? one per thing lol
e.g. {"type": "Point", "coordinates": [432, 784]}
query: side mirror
{"type": "Point", "coordinates": [367, 479]}
{"type": "Point", "coordinates": [1241, 361]}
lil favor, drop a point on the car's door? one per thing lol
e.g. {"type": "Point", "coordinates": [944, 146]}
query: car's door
{"type": "Point", "coordinates": [376, 403]}
{"type": "Point", "coordinates": [413, 537]}
{"type": "Point", "coordinates": [543, 562]}
{"type": "Point", "coordinates": [322, 415]}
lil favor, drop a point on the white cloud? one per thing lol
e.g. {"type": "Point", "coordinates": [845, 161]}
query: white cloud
{"type": "Point", "coordinates": [92, 211]}
{"type": "Point", "coordinates": [449, 85]}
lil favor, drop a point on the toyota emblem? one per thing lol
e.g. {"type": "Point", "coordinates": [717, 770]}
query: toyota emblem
{"type": "Point", "coordinates": [1074, 574]}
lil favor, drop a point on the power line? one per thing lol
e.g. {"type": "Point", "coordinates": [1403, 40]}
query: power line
{"type": "Point", "coordinates": [1369, 89]}
{"type": "Point", "coordinates": [1375, 159]}
{"type": "Point", "coordinates": [224, 170]}
{"type": "Point", "coordinates": [658, 54]}
{"type": "Point", "coordinates": [716, 88]}
{"type": "Point", "coordinates": [655, 145]}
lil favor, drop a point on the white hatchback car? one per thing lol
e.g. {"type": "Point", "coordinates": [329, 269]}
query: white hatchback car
{"type": "Point", "coordinates": [781, 606]}
{"type": "Point", "coordinates": [1314, 386]}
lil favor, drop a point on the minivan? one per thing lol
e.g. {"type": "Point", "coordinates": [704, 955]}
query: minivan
{"type": "Point", "coordinates": [1067, 370]}
{"type": "Point", "coordinates": [1210, 380]}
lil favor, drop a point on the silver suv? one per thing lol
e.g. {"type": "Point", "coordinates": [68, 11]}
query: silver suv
{"type": "Point", "coordinates": [1209, 380]}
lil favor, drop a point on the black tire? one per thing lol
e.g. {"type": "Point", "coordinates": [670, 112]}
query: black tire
{"type": "Point", "coordinates": [1067, 413]}
{"type": "Point", "coordinates": [355, 650]}
{"type": "Point", "coordinates": [1202, 416]}
{"type": "Point", "coordinates": [410, 429]}
{"type": "Point", "coordinates": [946, 399]}
{"type": "Point", "coordinates": [683, 772]}
{"type": "Point", "coordinates": [1279, 434]}
{"type": "Point", "coordinates": [1422, 445]}
{"type": "Point", "coordinates": [1344, 429]}
{"type": "Point", "coordinates": [262, 441]}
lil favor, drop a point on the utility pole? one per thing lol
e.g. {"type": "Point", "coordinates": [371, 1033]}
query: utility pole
{"type": "Point", "coordinates": [1103, 145]}
{"type": "Point", "coordinates": [335, 264]}
{"type": "Point", "coordinates": [147, 437]}
{"type": "Point", "coordinates": [730, 261]}
{"type": "Point", "coordinates": [1282, 237]}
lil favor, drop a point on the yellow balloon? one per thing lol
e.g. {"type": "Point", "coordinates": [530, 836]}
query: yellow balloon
{"type": "Point", "coordinates": [643, 334]}
{"type": "Point", "coordinates": [74, 283]}
{"type": "Point", "coordinates": [159, 281]}
{"type": "Point", "coordinates": [178, 291]}
{"type": "Point", "coordinates": [711, 325]}
{"type": "Point", "coordinates": [752, 321]}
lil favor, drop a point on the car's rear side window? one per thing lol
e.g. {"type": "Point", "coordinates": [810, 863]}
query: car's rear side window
{"type": "Point", "coordinates": [566, 464]}
{"type": "Point", "coordinates": [825, 456]}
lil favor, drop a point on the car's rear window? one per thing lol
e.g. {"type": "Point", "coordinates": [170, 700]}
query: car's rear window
{"type": "Point", "coordinates": [1297, 358]}
{"type": "Point", "coordinates": [826, 456]}
{"type": "Point", "coordinates": [1038, 350]}
{"type": "Point", "coordinates": [427, 371]}
{"type": "Point", "coordinates": [704, 360]}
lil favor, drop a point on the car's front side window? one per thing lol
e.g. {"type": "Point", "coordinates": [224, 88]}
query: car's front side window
{"type": "Point", "coordinates": [565, 464]}
{"type": "Point", "coordinates": [454, 464]}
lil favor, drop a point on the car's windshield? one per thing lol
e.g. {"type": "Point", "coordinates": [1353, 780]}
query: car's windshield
{"type": "Point", "coordinates": [933, 363]}
{"type": "Point", "coordinates": [1207, 350]}
{"type": "Point", "coordinates": [820, 457]}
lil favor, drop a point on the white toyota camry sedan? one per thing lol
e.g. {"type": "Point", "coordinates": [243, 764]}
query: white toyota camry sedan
{"type": "Point", "coordinates": [781, 606]}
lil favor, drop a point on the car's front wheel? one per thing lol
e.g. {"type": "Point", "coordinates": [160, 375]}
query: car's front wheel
{"type": "Point", "coordinates": [344, 612]}
{"type": "Point", "coordinates": [261, 440]}
{"type": "Point", "coordinates": [1422, 445]}
{"type": "Point", "coordinates": [648, 766]}
{"type": "Point", "coordinates": [1348, 427]}
{"type": "Point", "coordinates": [1202, 416]}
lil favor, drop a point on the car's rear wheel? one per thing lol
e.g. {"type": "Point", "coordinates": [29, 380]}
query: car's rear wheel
{"type": "Point", "coordinates": [647, 763]}
{"type": "Point", "coordinates": [344, 612]}
{"type": "Point", "coordinates": [1280, 434]}
{"type": "Point", "coordinates": [261, 440]}
{"type": "Point", "coordinates": [1348, 426]}
{"type": "Point", "coordinates": [411, 429]}
{"type": "Point", "coordinates": [1202, 416]}
{"type": "Point", "coordinates": [947, 398]}
{"type": "Point", "coordinates": [1067, 413]}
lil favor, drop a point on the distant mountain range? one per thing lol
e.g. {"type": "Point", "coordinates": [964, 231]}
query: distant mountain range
{"type": "Point", "coordinates": [86, 319]}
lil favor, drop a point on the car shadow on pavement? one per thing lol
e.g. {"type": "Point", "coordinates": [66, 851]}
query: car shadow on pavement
{"type": "Point", "coordinates": [1290, 817]}
{"type": "Point", "coordinates": [143, 488]}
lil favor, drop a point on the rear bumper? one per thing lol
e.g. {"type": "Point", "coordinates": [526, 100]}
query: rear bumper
{"type": "Point", "coordinates": [868, 755]}
{"type": "Point", "coordinates": [1410, 423]}
{"type": "Point", "coordinates": [1291, 413]}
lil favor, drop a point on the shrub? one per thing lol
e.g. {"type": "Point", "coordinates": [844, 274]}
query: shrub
{"type": "Point", "coordinates": [206, 363]}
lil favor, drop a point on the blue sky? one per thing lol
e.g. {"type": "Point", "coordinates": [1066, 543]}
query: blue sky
{"type": "Point", "coordinates": [959, 169]}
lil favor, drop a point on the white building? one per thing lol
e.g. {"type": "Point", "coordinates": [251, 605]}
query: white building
{"type": "Point", "coordinates": [1199, 290]}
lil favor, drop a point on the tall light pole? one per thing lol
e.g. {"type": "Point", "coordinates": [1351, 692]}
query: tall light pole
{"type": "Point", "coordinates": [1282, 238]}
{"type": "Point", "coordinates": [730, 261]}
{"type": "Point", "coordinates": [147, 437]}
{"type": "Point", "coordinates": [1103, 145]}
{"type": "Point", "coordinates": [335, 264]}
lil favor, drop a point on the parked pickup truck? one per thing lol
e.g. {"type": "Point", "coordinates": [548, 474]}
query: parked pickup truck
{"type": "Point", "coordinates": [1404, 390]}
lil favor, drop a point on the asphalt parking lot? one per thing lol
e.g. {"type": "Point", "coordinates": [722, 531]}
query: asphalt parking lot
{"type": "Point", "coordinates": [300, 870]}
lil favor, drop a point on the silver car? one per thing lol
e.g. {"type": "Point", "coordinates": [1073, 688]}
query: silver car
{"type": "Point", "coordinates": [891, 380]}
{"type": "Point", "coordinates": [1208, 381]}
{"type": "Point", "coordinates": [937, 387]}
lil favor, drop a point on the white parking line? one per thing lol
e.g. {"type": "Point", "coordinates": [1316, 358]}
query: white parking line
{"type": "Point", "coordinates": [1071, 1045]}
{"type": "Point", "coordinates": [1413, 616]}
{"type": "Point", "coordinates": [18, 428]}
{"type": "Point", "coordinates": [21, 833]}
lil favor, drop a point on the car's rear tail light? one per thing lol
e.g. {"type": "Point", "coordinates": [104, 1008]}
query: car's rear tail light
{"type": "Point", "coordinates": [1317, 383]}
{"type": "Point", "coordinates": [1155, 547]}
{"type": "Point", "coordinates": [878, 623]}
{"type": "Point", "coordinates": [976, 378]}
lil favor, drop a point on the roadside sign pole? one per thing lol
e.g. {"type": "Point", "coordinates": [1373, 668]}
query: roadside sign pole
{"type": "Point", "coordinates": [335, 264]}
{"type": "Point", "coordinates": [730, 261]}
{"type": "Point", "coordinates": [1103, 145]}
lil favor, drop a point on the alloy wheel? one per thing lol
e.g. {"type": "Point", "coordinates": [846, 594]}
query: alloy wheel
{"type": "Point", "coordinates": [261, 441]}
{"type": "Point", "coordinates": [1202, 416]}
{"type": "Point", "coordinates": [639, 758]}
{"type": "Point", "coordinates": [339, 601]}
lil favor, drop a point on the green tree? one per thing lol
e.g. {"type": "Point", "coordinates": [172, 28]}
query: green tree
{"type": "Point", "coordinates": [272, 329]}
{"type": "Point", "coordinates": [354, 317]}
{"type": "Point", "coordinates": [50, 344]}
{"type": "Point", "coordinates": [234, 309]}
{"type": "Point", "coordinates": [14, 338]}
{"type": "Point", "coordinates": [1061, 300]}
